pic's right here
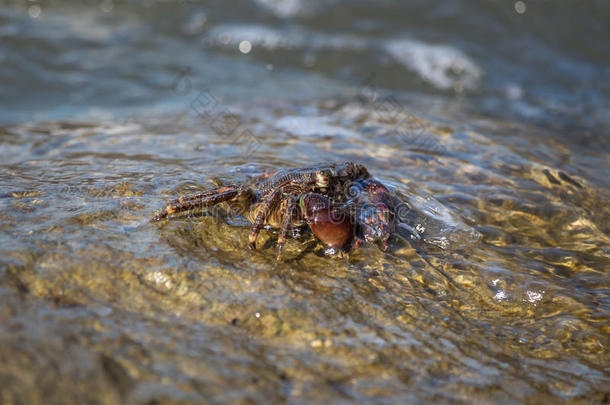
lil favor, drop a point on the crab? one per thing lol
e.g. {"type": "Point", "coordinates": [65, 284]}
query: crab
{"type": "Point", "coordinates": [340, 203]}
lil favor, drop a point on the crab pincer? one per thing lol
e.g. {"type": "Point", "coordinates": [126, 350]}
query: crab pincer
{"type": "Point", "coordinates": [375, 212]}
{"type": "Point", "coordinates": [334, 227]}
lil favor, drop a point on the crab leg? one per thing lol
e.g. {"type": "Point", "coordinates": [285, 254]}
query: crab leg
{"type": "Point", "coordinates": [266, 175]}
{"type": "Point", "coordinates": [288, 213]}
{"type": "Point", "coordinates": [206, 199]}
{"type": "Point", "coordinates": [207, 193]}
{"type": "Point", "coordinates": [268, 204]}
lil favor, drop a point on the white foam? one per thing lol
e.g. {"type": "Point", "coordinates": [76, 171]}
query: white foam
{"type": "Point", "coordinates": [443, 66]}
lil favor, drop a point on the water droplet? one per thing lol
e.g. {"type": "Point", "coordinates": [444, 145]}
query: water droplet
{"type": "Point", "coordinates": [520, 7]}
{"type": "Point", "coordinates": [34, 11]}
{"type": "Point", "coordinates": [500, 296]}
{"type": "Point", "coordinates": [534, 296]}
{"type": "Point", "coordinates": [245, 46]}
{"type": "Point", "coordinates": [330, 251]}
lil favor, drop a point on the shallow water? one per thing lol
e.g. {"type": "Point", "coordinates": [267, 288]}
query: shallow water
{"type": "Point", "coordinates": [495, 290]}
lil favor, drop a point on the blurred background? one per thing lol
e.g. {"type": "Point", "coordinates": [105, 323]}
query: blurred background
{"type": "Point", "coordinates": [488, 119]}
{"type": "Point", "coordinates": [536, 61]}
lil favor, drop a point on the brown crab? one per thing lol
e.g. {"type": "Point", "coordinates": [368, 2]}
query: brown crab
{"type": "Point", "coordinates": [340, 202]}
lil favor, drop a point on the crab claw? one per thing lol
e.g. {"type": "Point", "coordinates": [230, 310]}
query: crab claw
{"type": "Point", "coordinates": [375, 213]}
{"type": "Point", "coordinates": [333, 227]}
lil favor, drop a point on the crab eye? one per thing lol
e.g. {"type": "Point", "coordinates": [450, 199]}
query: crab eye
{"type": "Point", "coordinates": [322, 178]}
